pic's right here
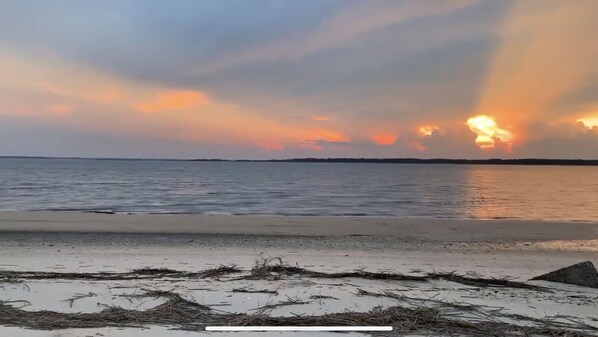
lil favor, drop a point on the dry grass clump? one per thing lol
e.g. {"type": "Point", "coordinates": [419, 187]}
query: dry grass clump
{"type": "Point", "coordinates": [262, 269]}
{"type": "Point", "coordinates": [218, 272]}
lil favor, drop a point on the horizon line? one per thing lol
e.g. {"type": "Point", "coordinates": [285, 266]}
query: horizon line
{"type": "Point", "coordinates": [387, 160]}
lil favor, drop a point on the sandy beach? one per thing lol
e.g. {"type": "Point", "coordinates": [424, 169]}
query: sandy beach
{"type": "Point", "coordinates": [71, 242]}
{"type": "Point", "coordinates": [412, 228]}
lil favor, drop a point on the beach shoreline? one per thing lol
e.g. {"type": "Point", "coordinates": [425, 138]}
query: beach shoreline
{"type": "Point", "coordinates": [413, 228]}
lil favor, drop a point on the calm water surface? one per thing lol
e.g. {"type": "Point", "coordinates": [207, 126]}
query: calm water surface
{"type": "Point", "coordinates": [404, 190]}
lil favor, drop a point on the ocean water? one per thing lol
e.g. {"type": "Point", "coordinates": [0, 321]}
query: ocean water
{"type": "Point", "coordinates": [397, 190]}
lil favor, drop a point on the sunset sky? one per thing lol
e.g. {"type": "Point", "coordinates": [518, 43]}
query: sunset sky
{"type": "Point", "coordinates": [308, 78]}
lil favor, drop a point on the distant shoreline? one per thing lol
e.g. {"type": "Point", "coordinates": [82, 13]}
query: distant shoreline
{"type": "Point", "coordinates": [494, 161]}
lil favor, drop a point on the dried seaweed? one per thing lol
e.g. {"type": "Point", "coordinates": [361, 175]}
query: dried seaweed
{"type": "Point", "coordinates": [189, 315]}
{"type": "Point", "coordinates": [267, 270]}
{"type": "Point", "coordinates": [255, 291]}
{"type": "Point", "coordinates": [264, 269]}
{"type": "Point", "coordinates": [135, 274]}
{"type": "Point", "coordinates": [78, 297]}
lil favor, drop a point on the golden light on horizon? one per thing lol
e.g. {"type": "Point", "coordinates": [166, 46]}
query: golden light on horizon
{"type": "Point", "coordinates": [488, 132]}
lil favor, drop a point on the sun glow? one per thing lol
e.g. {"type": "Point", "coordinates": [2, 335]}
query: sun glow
{"type": "Point", "coordinates": [488, 132]}
{"type": "Point", "coordinates": [589, 122]}
{"type": "Point", "coordinates": [427, 130]}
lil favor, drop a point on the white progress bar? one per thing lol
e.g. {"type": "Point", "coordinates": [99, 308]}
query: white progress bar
{"type": "Point", "coordinates": [299, 328]}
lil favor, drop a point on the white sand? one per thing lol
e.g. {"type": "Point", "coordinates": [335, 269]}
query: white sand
{"type": "Point", "coordinates": [99, 242]}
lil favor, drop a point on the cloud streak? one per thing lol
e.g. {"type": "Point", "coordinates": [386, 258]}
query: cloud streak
{"type": "Point", "coordinates": [172, 100]}
{"type": "Point", "coordinates": [346, 26]}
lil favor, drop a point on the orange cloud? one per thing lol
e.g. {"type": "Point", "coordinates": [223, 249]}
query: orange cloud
{"type": "Point", "coordinates": [384, 139]}
{"type": "Point", "coordinates": [319, 138]}
{"type": "Point", "coordinates": [487, 131]}
{"type": "Point", "coordinates": [174, 100]}
{"type": "Point", "coordinates": [61, 109]}
{"type": "Point", "coordinates": [335, 137]}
